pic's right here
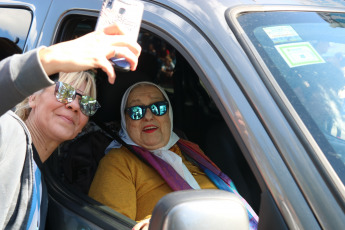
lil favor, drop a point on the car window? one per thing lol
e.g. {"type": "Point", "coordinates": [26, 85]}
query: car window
{"type": "Point", "coordinates": [161, 63]}
{"type": "Point", "coordinates": [74, 26]}
{"type": "Point", "coordinates": [14, 28]}
{"type": "Point", "coordinates": [305, 52]}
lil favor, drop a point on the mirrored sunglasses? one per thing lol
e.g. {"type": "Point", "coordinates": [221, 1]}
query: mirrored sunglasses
{"type": "Point", "coordinates": [138, 112]}
{"type": "Point", "coordinates": [65, 93]}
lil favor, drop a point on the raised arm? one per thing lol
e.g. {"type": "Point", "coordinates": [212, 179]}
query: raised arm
{"type": "Point", "coordinates": [23, 74]}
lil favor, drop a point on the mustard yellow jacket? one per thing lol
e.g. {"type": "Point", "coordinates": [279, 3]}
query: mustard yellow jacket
{"type": "Point", "coordinates": [128, 185]}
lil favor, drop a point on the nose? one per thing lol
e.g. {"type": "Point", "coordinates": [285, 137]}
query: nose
{"type": "Point", "coordinates": [148, 115]}
{"type": "Point", "coordinates": [74, 105]}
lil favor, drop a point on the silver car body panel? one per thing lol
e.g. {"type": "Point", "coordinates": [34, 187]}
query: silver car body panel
{"type": "Point", "coordinates": [276, 154]}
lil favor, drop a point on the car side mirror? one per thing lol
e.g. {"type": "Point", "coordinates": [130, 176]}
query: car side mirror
{"type": "Point", "coordinates": [199, 209]}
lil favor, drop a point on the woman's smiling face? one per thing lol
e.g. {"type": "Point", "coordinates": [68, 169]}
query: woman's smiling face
{"type": "Point", "coordinates": [151, 132]}
{"type": "Point", "coordinates": [54, 120]}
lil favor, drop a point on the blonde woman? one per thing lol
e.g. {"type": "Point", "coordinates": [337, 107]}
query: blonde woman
{"type": "Point", "coordinates": [43, 121]}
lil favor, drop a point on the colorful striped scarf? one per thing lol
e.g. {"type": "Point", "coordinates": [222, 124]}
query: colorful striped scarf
{"type": "Point", "coordinates": [195, 154]}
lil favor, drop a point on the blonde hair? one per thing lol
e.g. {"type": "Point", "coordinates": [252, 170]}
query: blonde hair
{"type": "Point", "coordinates": [77, 79]}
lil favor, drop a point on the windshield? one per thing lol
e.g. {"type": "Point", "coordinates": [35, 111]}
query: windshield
{"type": "Point", "coordinates": [305, 52]}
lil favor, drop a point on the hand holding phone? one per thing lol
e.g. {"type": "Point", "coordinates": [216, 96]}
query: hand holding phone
{"type": "Point", "coordinates": [127, 14]}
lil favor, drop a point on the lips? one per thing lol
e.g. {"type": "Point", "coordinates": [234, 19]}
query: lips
{"type": "Point", "coordinates": [150, 128]}
{"type": "Point", "coordinates": [68, 119]}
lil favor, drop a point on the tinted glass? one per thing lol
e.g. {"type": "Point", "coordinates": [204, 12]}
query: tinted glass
{"type": "Point", "coordinates": [305, 52]}
{"type": "Point", "coordinates": [14, 28]}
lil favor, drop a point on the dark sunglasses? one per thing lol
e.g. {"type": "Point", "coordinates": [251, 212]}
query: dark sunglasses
{"type": "Point", "coordinates": [65, 93]}
{"type": "Point", "coordinates": [137, 112]}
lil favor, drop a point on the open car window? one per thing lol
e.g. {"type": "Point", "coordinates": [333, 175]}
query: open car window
{"type": "Point", "coordinates": [161, 63]}
{"type": "Point", "coordinates": [305, 52]}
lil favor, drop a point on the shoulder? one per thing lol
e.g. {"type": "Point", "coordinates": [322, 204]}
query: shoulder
{"type": "Point", "coordinates": [120, 155]}
{"type": "Point", "coordinates": [11, 126]}
{"type": "Point", "coordinates": [189, 144]}
{"type": "Point", "coordinates": [121, 162]}
{"type": "Point", "coordinates": [13, 141]}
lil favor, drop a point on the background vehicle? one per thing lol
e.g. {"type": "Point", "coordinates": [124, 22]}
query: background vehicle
{"type": "Point", "coordinates": [253, 84]}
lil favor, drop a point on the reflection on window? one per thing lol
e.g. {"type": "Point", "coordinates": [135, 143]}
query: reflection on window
{"type": "Point", "coordinates": [14, 28]}
{"type": "Point", "coordinates": [305, 52]}
{"type": "Point", "coordinates": [164, 56]}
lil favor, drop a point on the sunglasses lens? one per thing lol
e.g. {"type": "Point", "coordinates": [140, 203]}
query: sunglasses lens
{"type": "Point", "coordinates": [88, 105]}
{"type": "Point", "coordinates": [154, 109]}
{"type": "Point", "coordinates": [136, 112]}
{"type": "Point", "coordinates": [64, 93]}
{"type": "Point", "coordinates": [159, 108]}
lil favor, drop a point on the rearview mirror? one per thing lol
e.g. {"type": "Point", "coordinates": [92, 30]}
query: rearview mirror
{"type": "Point", "coordinates": [199, 209]}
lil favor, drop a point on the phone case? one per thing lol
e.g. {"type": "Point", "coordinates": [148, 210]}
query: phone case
{"type": "Point", "coordinates": [127, 14]}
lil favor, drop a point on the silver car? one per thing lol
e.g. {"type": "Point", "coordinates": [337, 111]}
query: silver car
{"type": "Point", "coordinates": [258, 84]}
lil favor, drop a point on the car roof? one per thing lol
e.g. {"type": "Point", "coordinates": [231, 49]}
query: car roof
{"type": "Point", "coordinates": [233, 3]}
{"type": "Point", "coordinates": [215, 5]}
{"type": "Point", "coordinates": [203, 13]}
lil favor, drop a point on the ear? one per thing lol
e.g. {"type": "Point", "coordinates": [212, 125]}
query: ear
{"type": "Point", "coordinates": [33, 100]}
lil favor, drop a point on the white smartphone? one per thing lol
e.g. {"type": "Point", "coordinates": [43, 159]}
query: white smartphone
{"type": "Point", "coordinates": [127, 14]}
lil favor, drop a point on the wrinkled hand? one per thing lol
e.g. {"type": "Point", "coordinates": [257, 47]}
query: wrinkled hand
{"type": "Point", "coordinates": [91, 51]}
{"type": "Point", "coordinates": [142, 225]}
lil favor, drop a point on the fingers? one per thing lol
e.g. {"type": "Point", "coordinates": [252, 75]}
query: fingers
{"type": "Point", "coordinates": [124, 49]}
{"type": "Point", "coordinates": [107, 67]}
{"type": "Point", "coordinates": [132, 51]}
{"type": "Point", "coordinates": [131, 58]}
{"type": "Point", "coordinates": [142, 225]}
{"type": "Point", "coordinates": [123, 41]}
{"type": "Point", "coordinates": [90, 51]}
{"type": "Point", "coordinates": [123, 46]}
{"type": "Point", "coordinates": [113, 29]}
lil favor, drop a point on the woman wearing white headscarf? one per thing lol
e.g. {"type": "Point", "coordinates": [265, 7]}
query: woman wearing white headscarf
{"type": "Point", "coordinates": [132, 183]}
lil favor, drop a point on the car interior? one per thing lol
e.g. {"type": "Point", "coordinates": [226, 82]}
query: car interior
{"type": "Point", "coordinates": [196, 117]}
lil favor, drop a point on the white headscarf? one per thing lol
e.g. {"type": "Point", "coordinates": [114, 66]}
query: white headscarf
{"type": "Point", "coordinates": [164, 153]}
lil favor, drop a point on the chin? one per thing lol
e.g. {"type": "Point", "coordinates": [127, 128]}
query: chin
{"type": "Point", "coordinates": [153, 146]}
{"type": "Point", "coordinates": [67, 135]}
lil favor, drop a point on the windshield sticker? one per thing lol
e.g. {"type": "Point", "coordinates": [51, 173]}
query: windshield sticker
{"type": "Point", "coordinates": [298, 54]}
{"type": "Point", "coordinates": [282, 34]}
